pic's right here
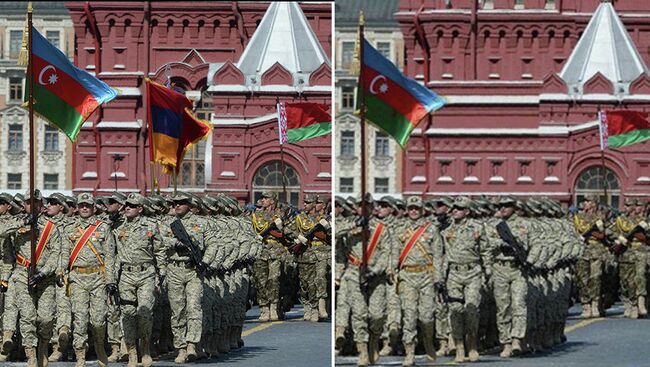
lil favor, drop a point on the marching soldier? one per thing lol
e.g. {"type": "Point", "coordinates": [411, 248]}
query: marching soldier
{"type": "Point", "coordinates": [419, 267]}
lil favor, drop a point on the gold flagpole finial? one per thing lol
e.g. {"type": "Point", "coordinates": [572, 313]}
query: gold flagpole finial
{"type": "Point", "coordinates": [362, 19]}
{"type": "Point", "coordinates": [23, 56]}
{"type": "Point", "coordinates": [29, 7]}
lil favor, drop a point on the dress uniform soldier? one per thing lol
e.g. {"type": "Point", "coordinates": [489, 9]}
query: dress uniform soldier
{"type": "Point", "coordinates": [34, 293]}
{"type": "Point", "coordinates": [268, 267]}
{"type": "Point", "coordinates": [419, 267]}
{"type": "Point", "coordinates": [90, 252]}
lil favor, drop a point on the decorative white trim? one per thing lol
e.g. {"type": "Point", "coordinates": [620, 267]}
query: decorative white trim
{"type": "Point", "coordinates": [227, 174]}
{"type": "Point", "coordinates": [643, 179]}
{"type": "Point", "coordinates": [269, 88]}
{"type": "Point", "coordinates": [118, 174]}
{"type": "Point", "coordinates": [445, 179]}
{"type": "Point", "coordinates": [128, 91]}
{"type": "Point", "coordinates": [526, 179]}
{"type": "Point", "coordinates": [122, 125]}
{"type": "Point", "coordinates": [324, 175]}
{"type": "Point", "coordinates": [218, 120]}
{"type": "Point", "coordinates": [497, 179]}
{"type": "Point", "coordinates": [89, 174]}
{"type": "Point", "coordinates": [418, 179]}
{"type": "Point", "coordinates": [471, 179]}
{"type": "Point", "coordinates": [208, 159]}
{"type": "Point", "coordinates": [551, 179]}
{"type": "Point", "coordinates": [118, 73]}
{"type": "Point", "coordinates": [542, 130]}
{"type": "Point", "coordinates": [486, 193]}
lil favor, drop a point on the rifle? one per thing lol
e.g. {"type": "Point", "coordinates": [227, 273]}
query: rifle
{"type": "Point", "coordinates": [299, 247]}
{"type": "Point", "coordinates": [115, 298]}
{"type": "Point", "coordinates": [512, 246]}
{"type": "Point", "coordinates": [444, 297]}
{"type": "Point", "coordinates": [640, 228]}
{"type": "Point", "coordinates": [189, 243]}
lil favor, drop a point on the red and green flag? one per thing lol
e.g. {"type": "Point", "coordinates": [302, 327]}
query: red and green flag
{"type": "Point", "coordinates": [302, 121]}
{"type": "Point", "coordinates": [64, 95]}
{"type": "Point", "coordinates": [623, 128]}
{"type": "Point", "coordinates": [393, 102]}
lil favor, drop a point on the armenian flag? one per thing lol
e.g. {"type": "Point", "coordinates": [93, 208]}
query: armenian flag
{"type": "Point", "coordinates": [623, 128]}
{"type": "Point", "coordinates": [302, 121]}
{"type": "Point", "coordinates": [64, 95]}
{"type": "Point", "coordinates": [172, 126]}
{"type": "Point", "coordinates": [393, 102]}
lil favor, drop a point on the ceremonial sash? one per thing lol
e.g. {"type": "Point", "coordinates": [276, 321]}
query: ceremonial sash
{"type": "Point", "coordinates": [374, 241]}
{"type": "Point", "coordinates": [409, 245]}
{"type": "Point", "coordinates": [82, 242]}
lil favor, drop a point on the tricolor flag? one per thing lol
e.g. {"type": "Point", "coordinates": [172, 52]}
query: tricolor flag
{"type": "Point", "coordinates": [302, 121]}
{"type": "Point", "coordinates": [172, 126]}
{"type": "Point", "coordinates": [622, 128]}
{"type": "Point", "coordinates": [394, 103]}
{"type": "Point", "coordinates": [64, 95]}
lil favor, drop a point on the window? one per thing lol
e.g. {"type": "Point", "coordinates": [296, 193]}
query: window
{"type": "Point", "coordinates": [53, 38]}
{"type": "Point", "coordinates": [346, 184]}
{"type": "Point", "coordinates": [192, 173]}
{"type": "Point", "coordinates": [14, 181]}
{"type": "Point", "coordinates": [381, 185]}
{"type": "Point", "coordinates": [381, 144]}
{"type": "Point", "coordinates": [269, 178]}
{"type": "Point", "coordinates": [15, 89]}
{"type": "Point", "coordinates": [51, 139]}
{"type": "Point", "coordinates": [15, 43]}
{"type": "Point", "coordinates": [347, 98]}
{"type": "Point", "coordinates": [15, 138]}
{"type": "Point", "coordinates": [347, 54]}
{"type": "Point", "coordinates": [51, 181]}
{"type": "Point", "coordinates": [347, 143]}
{"type": "Point", "coordinates": [384, 49]}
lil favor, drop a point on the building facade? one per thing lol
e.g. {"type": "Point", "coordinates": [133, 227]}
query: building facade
{"type": "Point", "coordinates": [384, 158]}
{"type": "Point", "coordinates": [524, 81]}
{"type": "Point", "coordinates": [214, 52]}
{"type": "Point", "coordinates": [53, 149]}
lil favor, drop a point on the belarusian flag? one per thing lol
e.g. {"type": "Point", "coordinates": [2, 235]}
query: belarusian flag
{"type": "Point", "coordinates": [64, 95]}
{"type": "Point", "coordinates": [302, 121]}
{"type": "Point", "coordinates": [622, 128]}
{"type": "Point", "coordinates": [394, 103]}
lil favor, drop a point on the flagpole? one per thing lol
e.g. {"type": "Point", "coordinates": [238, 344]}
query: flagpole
{"type": "Point", "coordinates": [603, 174]}
{"type": "Point", "coordinates": [284, 174]}
{"type": "Point", "coordinates": [174, 179]}
{"type": "Point", "coordinates": [32, 199]}
{"type": "Point", "coordinates": [362, 120]}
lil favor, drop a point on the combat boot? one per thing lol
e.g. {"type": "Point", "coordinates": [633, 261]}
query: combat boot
{"type": "Point", "coordinates": [507, 351]}
{"type": "Point", "coordinates": [595, 308]}
{"type": "Point", "coordinates": [322, 309]}
{"type": "Point", "coordinates": [81, 357]}
{"type": "Point", "coordinates": [64, 337]}
{"type": "Point", "coordinates": [516, 346]}
{"type": "Point", "coordinates": [363, 354]}
{"type": "Point", "coordinates": [339, 335]}
{"type": "Point", "coordinates": [30, 353]}
{"type": "Point", "coordinates": [133, 356]}
{"type": "Point", "coordinates": [634, 312]}
{"type": "Point", "coordinates": [240, 340]}
{"type": "Point", "coordinates": [626, 307]}
{"type": "Point", "coordinates": [191, 352]}
{"type": "Point", "coordinates": [451, 345]}
{"type": "Point", "coordinates": [146, 353]}
{"type": "Point", "coordinates": [181, 357]}
{"type": "Point", "coordinates": [547, 338]}
{"type": "Point", "coordinates": [7, 342]}
{"type": "Point", "coordinates": [3, 357]}
{"type": "Point", "coordinates": [472, 345]}
{"type": "Point", "coordinates": [115, 353]}
{"type": "Point", "coordinates": [264, 314]}
{"type": "Point", "coordinates": [307, 312]}
{"type": "Point", "coordinates": [314, 315]}
{"type": "Point", "coordinates": [386, 349]}
{"type": "Point", "coordinates": [273, 312]}
{"type": "Point", "coordinates": [428, 341]}
{"type": "Point", "coordinates": [442, 350]}
{"type": "Point", "coordinates": [409, 359]}
{"type": "Point", "coordinates": [102, 358]}
{"type": "Point", "coordinates": [460, 351]}
{"type": "Point", "coordinates": [124, 353]}
{"type": "Point", "coordinates": [557, 333]}
{"type": "Point", "coordinates": [643, 311]}
{"type": "Point", "coordinates": [586, 311]}
{"type": "Point", "coordinates": [232, 334]}
{"type": "Point", "coordinates": [56, 353]}
{"type": "Point", "coordinates": [224, 343]}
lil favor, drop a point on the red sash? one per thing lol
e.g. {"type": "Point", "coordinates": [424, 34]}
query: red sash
{"type": "Point", "coordinates": [409, 245]}
{"type": "Point", "coordinates": [374, 241]}
{"type": "Point", "coordinates": [82, 242]}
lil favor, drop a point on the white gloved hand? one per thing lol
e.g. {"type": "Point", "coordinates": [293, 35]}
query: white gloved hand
{"type": "Point", "coordinates": [278, 223]}
{"type": "Point", "coordinates": [324, 223]}
{"type": "Point", "coordinates": [303, 239]}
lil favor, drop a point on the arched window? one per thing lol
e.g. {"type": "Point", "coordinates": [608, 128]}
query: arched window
{"type": "Point", "coordinates": [269, 178]}
{"type": "Point", "coordinates": [591, 181]}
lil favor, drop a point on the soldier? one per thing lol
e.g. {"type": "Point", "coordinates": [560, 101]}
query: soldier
{"type": "Point", "coordinates": [185, 278]}
{"type": "Point", "coordinates": [468, 262]}
{"type": "Point", "coordinates": [268, 269]}
{"type": "Point", "coordinates": [443, 331]}
{"type": "Point", "coordinates": [591, 226]}
{"type": "Point", "coordinates": [34, 292]}
{"type": "Point", "coordinates": [344, 222]}
{"type": "Point", "coordinates": [90, 251]}
{"type": "Point", "coordinates": [419, 267]}
{"type": "Point", "coordinates": [643, 258]}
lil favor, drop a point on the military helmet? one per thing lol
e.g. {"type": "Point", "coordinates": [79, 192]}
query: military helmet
{"type": "Point", "coordinates": [85, 198]}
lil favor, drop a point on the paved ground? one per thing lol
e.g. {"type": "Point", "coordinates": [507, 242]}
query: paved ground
{"type": "Point", "coordinates": [291, 342]}
{"type": "Point", "coordinates": [610, 341]}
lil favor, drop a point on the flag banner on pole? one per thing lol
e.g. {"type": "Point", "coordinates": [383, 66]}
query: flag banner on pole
{"type": "Point", "coordinates": [623, 128]}
{"type": "Point", "coordinates": [172, 125]}
{"type": "Point", "coordinates": [64, 95]}
{"type": "Point", "coordinates": [394, 103]}
{"type": "Point", "coordinates": [602, 126]}
{"type": "Point", "coordinates": [302, 121]}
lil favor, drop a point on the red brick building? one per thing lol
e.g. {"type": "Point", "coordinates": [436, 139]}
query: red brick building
{"type": "Point", "coordinates": [226, 56]}
{"type": "Point", "coordinates": [524, 80]}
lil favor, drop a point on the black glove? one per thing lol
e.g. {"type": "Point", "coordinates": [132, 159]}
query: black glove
{"type": "Point", "coordinates": [59, 281]}
{"type": "Point", "coordinates": [362, 221]}
{"type": "Point", "coordinates": [507, 250]}
{"type": "Point", "coordinates": [439, 286]}
{"type": "Point", "coordinates": [161, 280]}
{"type": "Point", "coordinates": [31, 219]}
{"type": "Point", "coordinates": [202, 267]}
{"type": "Point", "coordinates": [114, 217]}
{"type": "Point", "coordinates": [35, 279]}
{"type": "Point", "coordinates": [181, 249]}
{"type": "Point", "coordinates": [111, 288]}
{"type": "Point", "coordinates": [3, 287]}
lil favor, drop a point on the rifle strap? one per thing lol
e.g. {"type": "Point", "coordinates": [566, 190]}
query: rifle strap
{"type": "Point", "coordinates": [42, 241]}
{"type": "Point", "coordinates": [85, 239]}
{"type": "Point", "coordinates": [374, 240]}
{"type": "Point", "coordinates": [411, 242]}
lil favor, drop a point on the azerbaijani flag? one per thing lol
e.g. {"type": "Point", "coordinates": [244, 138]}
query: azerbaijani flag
{"type": "Point", "coordinates": [172, 126]}
{"type": "Point", "coordinates": [622, 128]}
{"type": "Point", "coordinates": [302, 121]}
{"type": "Point", "coordinates": [64, 95]}
{"type": "Point", "coordinates": [394, 103]}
